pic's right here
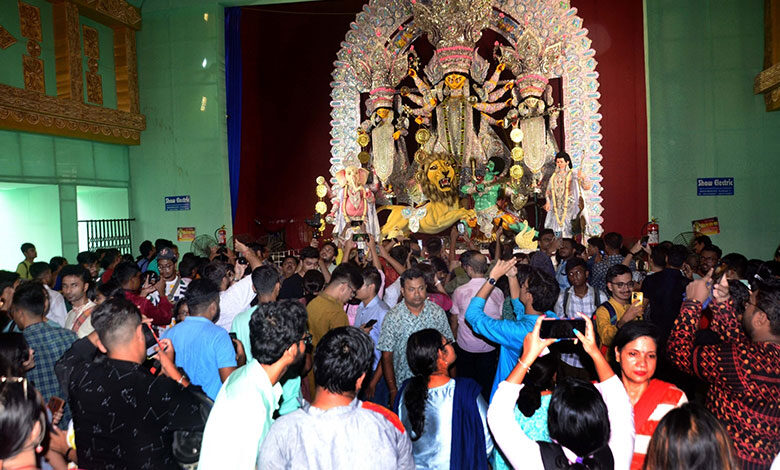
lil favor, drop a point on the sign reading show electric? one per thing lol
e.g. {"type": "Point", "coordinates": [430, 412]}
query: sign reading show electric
{"type": "Point", "coordinates": [177, 203]}
{"type": "Point", "coordinates": [714, 186]}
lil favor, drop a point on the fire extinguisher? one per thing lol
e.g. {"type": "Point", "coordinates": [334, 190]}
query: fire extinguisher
{"type": "Point", "coordinates": [652, 233]}
{"type": "Point", "coordinates": [221, 236]}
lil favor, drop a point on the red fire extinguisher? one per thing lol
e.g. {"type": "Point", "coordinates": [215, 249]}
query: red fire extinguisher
{"type": "Point", "coordinates": [221, 235]}
{"type": "Point", "coordinates": [652, 233]}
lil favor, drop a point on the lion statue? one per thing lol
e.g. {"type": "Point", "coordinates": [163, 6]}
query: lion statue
{"type": "Point", "coordinates": [437, 176]}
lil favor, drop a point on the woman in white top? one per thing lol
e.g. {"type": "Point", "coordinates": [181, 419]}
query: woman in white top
{"type": "Point", "coordinates": [592, 427]}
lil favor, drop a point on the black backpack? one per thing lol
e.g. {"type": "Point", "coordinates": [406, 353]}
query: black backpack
{"type": "Point", "coordinates": [186, 444]}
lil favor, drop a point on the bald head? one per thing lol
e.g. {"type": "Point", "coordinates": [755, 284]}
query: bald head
{"type": "Point", "coordinates": [478, 264]}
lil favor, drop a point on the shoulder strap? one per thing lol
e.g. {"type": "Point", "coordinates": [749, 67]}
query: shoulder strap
{"type": "Point", "coordinates": [553, 457]}
{"type": "Point", "coordinates": [611, 310]}
{"type": "Point", "coordinates": [566, 294]}
{"type": "Point", "coordinates": [596, 298]}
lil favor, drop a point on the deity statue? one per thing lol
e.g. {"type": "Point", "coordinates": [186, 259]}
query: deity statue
{"type": "Point", "coordinates": [563, 196]}
{"type": "Point", "coordinates": [485, 192]}
{"type": "Point", "coordinates": [438, 179]}
{"type": "Point", "coordinates": [451, 102]}
{"type": "Point", "coordinates": [466, 111]}
{"type": "Point", "coordinates": [353, 202]}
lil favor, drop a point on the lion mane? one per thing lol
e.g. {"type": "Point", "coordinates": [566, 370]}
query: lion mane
{"type": "Point", "coordinates": [430, 189]}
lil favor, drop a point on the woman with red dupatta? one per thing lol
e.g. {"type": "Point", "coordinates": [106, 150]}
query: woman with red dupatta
{"type": "Point", "coordinates": [636, 352]}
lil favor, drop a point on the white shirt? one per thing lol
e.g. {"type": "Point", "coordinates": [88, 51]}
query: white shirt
{"type": "Point", "coordinates": [235, 300]}
{"type": "Point", "coordinates": [522, 452]}
{"type": "Point", "coordinates": [57, 310]}
{"type": "Point", "coordinates": [393, 293]}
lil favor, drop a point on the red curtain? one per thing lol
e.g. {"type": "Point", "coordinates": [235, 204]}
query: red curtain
{"type": "Point", "coordinates": [616, 30]}
{"type": "Point", "coordinates": [288, 52]}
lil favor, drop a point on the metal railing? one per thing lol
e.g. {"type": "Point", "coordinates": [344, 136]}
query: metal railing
{"type": "Point", "coordinates": [109, 233]}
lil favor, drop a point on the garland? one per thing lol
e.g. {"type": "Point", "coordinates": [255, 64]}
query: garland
{"type": "Point", "coordinates": [462, 118]}
{"type": "Point", "coordinates": [566, 198]}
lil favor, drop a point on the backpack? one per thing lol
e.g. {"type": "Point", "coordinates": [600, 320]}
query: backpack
{"type": "Point", "coordinates": [612, 320]}
{"type": "Point", "coordinates": [553, 457]}
{"type": "Point", "coordinates": [567, 294]}
{"type": "Point", "coordinates": [186, 444]}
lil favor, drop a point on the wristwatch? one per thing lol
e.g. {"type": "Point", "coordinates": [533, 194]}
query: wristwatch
{"type": "Point", "coordinates": [491, 281]}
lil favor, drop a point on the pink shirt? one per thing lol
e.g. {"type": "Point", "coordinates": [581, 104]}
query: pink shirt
{"type": "Point", "coordinates": [467, 340]}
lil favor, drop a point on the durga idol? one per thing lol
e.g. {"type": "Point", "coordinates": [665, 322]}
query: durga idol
{"type": "Point", "coordinates": [563, 196]}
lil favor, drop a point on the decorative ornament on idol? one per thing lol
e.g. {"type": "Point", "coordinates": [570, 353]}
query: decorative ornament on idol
{"type": "Point", "coordinates": [516, 135]}
{"type": "Point", "coordinates": [321, 207]}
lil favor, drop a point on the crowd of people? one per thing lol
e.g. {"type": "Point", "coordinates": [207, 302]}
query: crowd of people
{"type": "Point", "coordinates": [394, 354]}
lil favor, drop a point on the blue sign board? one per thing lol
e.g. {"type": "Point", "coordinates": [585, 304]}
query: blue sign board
{"type": "Point", "coordinates": [714, 186]}
{"type": "Point", "coordinates": [177, 203]}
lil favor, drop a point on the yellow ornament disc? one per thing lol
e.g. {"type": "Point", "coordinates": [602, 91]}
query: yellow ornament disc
{"type": "Point", "coordinates": [320, 208]}
{"type": "Point", "coordinates": [422, 136]}
{"type": "Point", "coordinates": [364, 157]}
{"type": "Point", "coordinates": [517, 154]}
{"type": "Point", "coordinates": [320, 180]}
{"type": "Point", "coordinates": [516, 172]}
{"type": "Point", "coordinates": [516, 135]}
{"type": "Point", "coordinates": [363, 139]}
{"type": "Point", "coordinates": [322, 191]}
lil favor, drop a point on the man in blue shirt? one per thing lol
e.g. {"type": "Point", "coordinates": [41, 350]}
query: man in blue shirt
{"type": "Point", "coordinates": [203, 349]}
{"type": "Point", "coordinates": [535, 297]}
{"type": "Point", "coordinates": [372, 309]}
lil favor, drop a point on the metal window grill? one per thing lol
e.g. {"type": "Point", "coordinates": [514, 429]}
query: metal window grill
{"type": "Point", "coordinates": [278, 256]}
{"type": "Point", "coordinates": [109, 233]}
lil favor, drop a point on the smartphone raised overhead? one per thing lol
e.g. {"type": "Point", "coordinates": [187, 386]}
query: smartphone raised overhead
{"type": "Point", "coordinates": [561, 329]}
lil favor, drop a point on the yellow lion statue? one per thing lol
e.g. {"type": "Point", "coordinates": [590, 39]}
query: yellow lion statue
{"type": "Point", "coordinates": [437, 175]}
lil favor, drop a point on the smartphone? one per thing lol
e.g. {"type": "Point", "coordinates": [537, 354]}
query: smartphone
{"type": "Point", "coordinates": [637, 298]}
{"type": "Point", "coordinates": [151, 340]}
{"type": "Point", "coordinates": [55, 404]}
{"type": "Point", "coordinates": [644, 241]}
{"type": "Point", "coordinates": [370, 323]}
{"type": "Point", "coordinates": [233, 339]}
{"type": "Point", "coordinates": [561, 328]}
{"type": "Point", "coordinates": [151, 278]}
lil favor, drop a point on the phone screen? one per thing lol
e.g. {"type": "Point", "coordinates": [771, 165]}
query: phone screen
{"type": "Point", "coordinates": [637, 297]}
{"type": "Point", "coordinates": [151, 340]}
{"type": "Point", "coordinates": [561, 328]}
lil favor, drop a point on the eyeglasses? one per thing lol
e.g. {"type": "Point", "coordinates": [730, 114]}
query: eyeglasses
{"type": "Point", "coordinates": [621, 285]}
{"type": "Point", "coordinates": [448, 343]}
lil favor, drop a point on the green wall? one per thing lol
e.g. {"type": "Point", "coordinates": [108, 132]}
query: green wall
{"type": "Point", "coordinates": [24, 221]}
{"type": "Point", "coordinates": [63, 163]}
{"type": "Point", "coordinates": [704, 121]}
{"type": "Point", "coordinates": [183, 150]}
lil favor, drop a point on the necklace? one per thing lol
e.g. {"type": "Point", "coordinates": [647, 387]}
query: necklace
{"type": "Point", "coordinates": [447, 132]}
{"type": "Point", "coordinates": [566, 198]}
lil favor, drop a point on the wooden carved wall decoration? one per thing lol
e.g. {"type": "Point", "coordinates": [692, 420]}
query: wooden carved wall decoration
{"type": "Point", "coordinates": [67, 114]}
{"type": "Point", "coordinates": [768, 81]}
{"type": "Point", "coordinates": [92, 52]}
{"type": "Point", "coordinates": [30, 22]}
{"type": "Point", "coordinates": [6, 39]}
